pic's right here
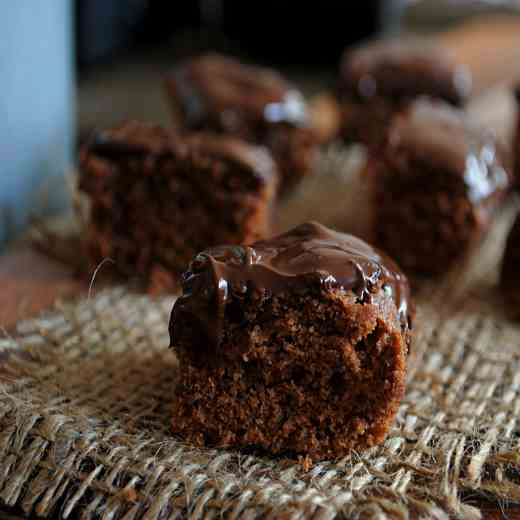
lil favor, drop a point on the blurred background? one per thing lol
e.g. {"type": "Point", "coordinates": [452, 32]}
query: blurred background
{"type": "Point", "coordinates": [68, 67]}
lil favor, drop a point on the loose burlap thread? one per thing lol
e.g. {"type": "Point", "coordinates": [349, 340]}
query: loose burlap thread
{"type": "Point", "coordinates": [87, 388]}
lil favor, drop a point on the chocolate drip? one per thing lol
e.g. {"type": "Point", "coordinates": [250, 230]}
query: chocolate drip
{"type": "Point", "coordinates": [309, 254]}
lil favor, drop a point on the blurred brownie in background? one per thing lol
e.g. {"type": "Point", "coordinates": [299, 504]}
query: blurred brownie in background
{"type": "Point", "coordinates": [157, 199]}
{"type": "Point", "coordinates": [380, 78]}
{"type": "Point", "coordinates": [220, 94]}
{"type": "Point", "coordinates": [510, 275]}
{"type": "Point", "coordinates": [436, 182]}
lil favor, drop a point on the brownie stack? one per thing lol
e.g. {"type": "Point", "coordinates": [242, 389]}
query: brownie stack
{"type": "Point", "coordinates": [296, 345]}
{"type": "Point", "coordinates": [379, 79]}
{"type": "Point", "coordinates": [219, 94]}
{"type": "Point", "coordinates": [156, 199]}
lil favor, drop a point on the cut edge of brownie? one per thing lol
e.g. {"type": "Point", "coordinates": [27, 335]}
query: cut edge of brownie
{"type": "Point", "coordinates": [429, 231]}
{"type": "Point", "coordinates": [318, 374]}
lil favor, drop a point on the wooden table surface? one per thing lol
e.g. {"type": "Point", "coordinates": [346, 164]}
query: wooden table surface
{"type": "Point", "coordinates": [31, 282]}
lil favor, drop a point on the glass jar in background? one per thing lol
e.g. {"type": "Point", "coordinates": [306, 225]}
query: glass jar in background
{"type": "Point", "coordinates": [36, 110]}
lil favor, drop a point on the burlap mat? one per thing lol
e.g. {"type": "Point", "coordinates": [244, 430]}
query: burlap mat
{"type": "Point", "coordinates": [86, 391]}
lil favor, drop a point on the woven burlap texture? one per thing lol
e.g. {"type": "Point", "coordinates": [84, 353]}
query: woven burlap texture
{"type": "Point", "coordinates": [86, 393]}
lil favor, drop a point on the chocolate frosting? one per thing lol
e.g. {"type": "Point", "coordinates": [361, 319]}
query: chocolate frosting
{"type": "Point", "coordinates": [222, 90]}
{"type": "Point", "coordinates": [437, 135]}
{"type": "Point", "coordinates": [403, 69]}
{"type": "Point", "coordinates": [297, 260]}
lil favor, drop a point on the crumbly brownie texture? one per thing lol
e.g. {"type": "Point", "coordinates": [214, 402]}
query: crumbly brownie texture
{"type": "Point", "coordinates": [379, 79]}
{"type": "Point", "coordinates": [157, 199]}
{"type": "Point", "coordinates": [436, 184]}
{"type": "Point", "coordinates": [220, 94]}
{"type": "Point", "coordinates": [510, 275]}
{"type": "Point", "coordinates": [296, 345]}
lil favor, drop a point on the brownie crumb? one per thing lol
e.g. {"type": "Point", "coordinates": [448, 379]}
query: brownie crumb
{"type": "Point", "coordinates": [296, 345]}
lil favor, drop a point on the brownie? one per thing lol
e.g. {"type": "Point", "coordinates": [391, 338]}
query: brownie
{"type": "Point", "coordinates": [157, 198]}
{"type": "Point", "coordinates": [379, 79]}
{"type": "Point", "coordinates": [220, 94]}
{"type": "Point", "coordinates": [296, 345]}
{"type": "Point", "coordinates": [436, 184]}
{"type": "Point", "coordinates": [510, 274]}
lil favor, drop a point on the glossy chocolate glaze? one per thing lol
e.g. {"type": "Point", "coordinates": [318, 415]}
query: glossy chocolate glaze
{"type": "Point", "coordinates": [309, 254]}
{"type": "Point", "coordinates": [139, 139]}
{"type": "Point", "coordinates": [436, 135]}
{"type": "Point", "coordinates": [395, 70]}
{"type": "Point", "coordinates": [220, 92]}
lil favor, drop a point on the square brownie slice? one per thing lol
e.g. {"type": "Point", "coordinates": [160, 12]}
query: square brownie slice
{"type": "Point", "coordinates": [378, 79]}
{"type": "Point", "coordinates": [296, 345]}
{"type": "Point", "coordinates": [437, 183]}
{"type": "Point", "coordinates": [156, 199]}
{"type": "Point", "coordinates": [220, 94]}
